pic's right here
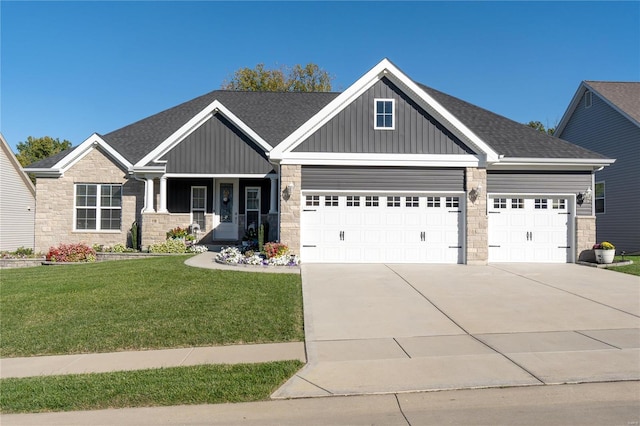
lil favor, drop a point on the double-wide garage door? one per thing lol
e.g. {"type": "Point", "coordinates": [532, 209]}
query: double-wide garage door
{"type": "Point", "coordinates": [529, 229]}
{"type": "Point", "coordinates": [374, 228]}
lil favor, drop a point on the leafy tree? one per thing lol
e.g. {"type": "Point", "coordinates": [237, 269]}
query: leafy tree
{"type": "Point", "coordinates": [308, 78]}
{"type": "Point", "coordinates": [540, 127]}
{"type": "Point", "coordinates": [36, 149]}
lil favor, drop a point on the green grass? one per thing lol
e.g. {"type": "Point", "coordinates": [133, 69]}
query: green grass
{"type": "Point", "coordinates": [143, 304]}
{"type": "Point", "coordinates": [633, 269]}
{"type": "Point", "coordinates": [207, 384]}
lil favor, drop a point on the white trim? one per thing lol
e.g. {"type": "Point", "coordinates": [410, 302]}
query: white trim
{"type": "Point", "coordinates": [85, 148]}
{"type": "Point", "coordinates": [603, 198]}
{"type": "Point", "coordinates": [383, 69]}
{"type": "Point", "coordinates": [305, 192]}
{"type": "Point", "coordinates": [219, 175]}
{"type": "Point", "coordinates": [416, 160]}
{"type": "Point", "coordinates": [560, 163]}
{"type": "Point", "coordinates": [203, 210]}
{"type": "Point", "coordinates": [246, 208]}
{"type": "Point", "coordinates": [375, 113]}
{"type": "Point", "coordinates": [98, 207]}
{"type": "Point", "coordinates": [216, 107]}
{"type": "Point", "coordinates": [17, 166]}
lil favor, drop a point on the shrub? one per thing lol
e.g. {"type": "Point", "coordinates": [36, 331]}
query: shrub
{"type": "Point", "coordinates": [169, 246]}
{"type": "Point", "coordinates": [71, 253]}
{"type": "Point", "coordinates": [275, 250]}
{"type": "Point", "coordinates": [178, 232]}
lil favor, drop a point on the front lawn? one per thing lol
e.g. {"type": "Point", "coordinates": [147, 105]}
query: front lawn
{"type": "Point", "coordinates": [205, 384]}
{"type": "Point", "coordinates": [143, 304]}
{"type": "Point", "coordinates": [633, 269]}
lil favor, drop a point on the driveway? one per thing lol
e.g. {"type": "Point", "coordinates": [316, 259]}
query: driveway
{"type": "Point", "coordinates": [402, 328]}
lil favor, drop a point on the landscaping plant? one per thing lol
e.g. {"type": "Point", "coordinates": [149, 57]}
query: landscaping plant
{"type": "Point", "coordinates": [71, 253]}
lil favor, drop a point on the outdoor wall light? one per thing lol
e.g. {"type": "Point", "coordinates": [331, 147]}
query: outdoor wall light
{"type": "Point", "coordinates": [288, 190]}
{"type": "Point", "coordinates": [475, 193]}
{"type": "Point", "coordinates": [584, 197]}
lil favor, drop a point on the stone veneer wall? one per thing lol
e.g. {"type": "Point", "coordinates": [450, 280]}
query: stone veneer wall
{"type": "Point", "coordinates": [156, 225]}
{"type": "Point", "coordinates": [585, 238]}
{"type": "Point", "coordinates": [477, 226]}
{"type": "Point", "coordinates": [290, 208]}
{"type": "Point", "coordinates": [55, 203]}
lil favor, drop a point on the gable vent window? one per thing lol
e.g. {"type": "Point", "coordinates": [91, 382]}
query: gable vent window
{"type": "Point", "coordinates": [384, 117]}
{"type": "Point", "coordinates": [587, 99]}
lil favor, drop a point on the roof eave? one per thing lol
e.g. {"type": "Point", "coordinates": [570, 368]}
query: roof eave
{"type": "Point", "coordinates": [551, 163]}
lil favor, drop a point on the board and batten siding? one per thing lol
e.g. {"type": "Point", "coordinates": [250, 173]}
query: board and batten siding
{"type": "Point", "coordinates": [17, 204]}
{"type": "Point", "coordinates": [540, 183]}
{"type": "Point", "coordinates": [217, 147]}
{"type": "Point", "coordinates": [602, 129]}
{"type": "Point", "coordinates": [352, 130]}
{"type": "Point", "coordinates": [382, 179]}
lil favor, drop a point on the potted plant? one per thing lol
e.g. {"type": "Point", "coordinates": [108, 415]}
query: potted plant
{"type": "Point", "coordinates": [605, 251]}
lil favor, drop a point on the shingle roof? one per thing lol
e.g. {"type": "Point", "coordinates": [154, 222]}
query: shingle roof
{"type": "Point", "coordinates": [508, 137]}
{"type": "Point", "coordinates": [624, 95]}
{"type": "Point", "coordinates": [50, 161]}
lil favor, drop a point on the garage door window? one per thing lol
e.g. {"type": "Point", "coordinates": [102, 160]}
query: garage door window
{"type": "Point", "coordinates": [453, 202]}
{"type": "Point", "coordinates": [353, 201]}
{"type": "Point", "coordinates": [540, 203]}
{"type": "Point", "coordinates": [499, 203]}
{"type": "Point", "coordinates": [433, 201]}
{"type": "Point", "coordinates": [559, 204]}
{"type": "Point", "coordinates": [412, 202]}
{"type": "Point", "coordinates": [371, 201]}
{"type": "Point", "coordinates": [312, 200]}
{"type": "Point", "coordinates": [393, 201]}
{"type": "Point", "coordinates": [331, 200]}
{"type": "Point", "coordinates": [517, 203]}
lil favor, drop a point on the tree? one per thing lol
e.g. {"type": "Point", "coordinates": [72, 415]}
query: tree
{"type": "Point", "coordinates": [540, 127]}
{"type": "Point", "coordinates": [36, 149]}
{"type": "Point", "coordinates": [308, 78]}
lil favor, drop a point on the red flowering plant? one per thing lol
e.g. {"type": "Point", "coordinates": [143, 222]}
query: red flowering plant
{"type": "Point", "coordinates": [71, 253]}
{"type": "Point", "coordinates": [275, 250]}
{"type": "Point", "coordinates": [177, 232]}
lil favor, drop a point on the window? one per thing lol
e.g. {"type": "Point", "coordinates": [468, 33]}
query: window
{"type": "Point", "coordinates": [413, 202]}
{"type": "Point", "coordinates": [452, 202]}
{"type": "Point", "coordinates": [331, 201]}
{"type": "Point", "coordinates": [371, 201]}
{"type": "Point", "coordinates": [393, 201]}
{"type": "Point", "coordinates": [517, 203]}
{"type": "Point", "coordinates": [353, 201]}
{"type": "Point", "coordinates": [587, 99]}
{"type": "Point", "coordinates": [312, 200]}
{"type": "Point", "coordinates": [540, 203]}
{"type": "Point", "coordinates": [198, 205]}
{"type": "Point", "coordinates": [599, 197]}
{"type": "Point", "coordinates": [98, 212]}
{"type": "Point", "coordinates": [559, 204]}
{"type": "Point", "coordinates": [499, 203]}
{"type": "Point", "coordinates": [252, 207]}
{"type": "Point", "coordinates": [433, 201]}
{"type": "Point", "coordinates": [384, 114]}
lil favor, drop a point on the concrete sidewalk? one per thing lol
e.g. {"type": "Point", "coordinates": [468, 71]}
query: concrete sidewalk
{"type": "Point", "coordinates": [138, 360]}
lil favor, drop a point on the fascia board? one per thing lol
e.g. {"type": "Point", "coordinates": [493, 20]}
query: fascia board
{"type": "Point", "coordinates": [415, 160]}
{"type": "Point", "coordinates": [383, 69]}
{"type": "Point", "coordinates": [84, 148]}
{"type": "Point", "coordinates": [220, 175]}
{"type": "Point", "coordinates": [40, 172]}
{"type": "Point", "coordinates": [571, 108]}
{"type": "Point", "coordinates": [558, 163]}
{"type": "Point", "coordinates": [190, 126]}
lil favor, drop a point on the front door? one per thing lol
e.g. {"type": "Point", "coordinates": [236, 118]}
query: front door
{"type": "Point", "coordinates": [226, 209]}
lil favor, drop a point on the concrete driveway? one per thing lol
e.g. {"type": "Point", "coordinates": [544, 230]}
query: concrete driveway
{"type": "Point", "coordinates": [402, 328]}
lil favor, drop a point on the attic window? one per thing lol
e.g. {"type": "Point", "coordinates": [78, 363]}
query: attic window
{"type": "Point", "coordinates": [384, 115]}
{"type": "Point", "coordinates": [587, 99]}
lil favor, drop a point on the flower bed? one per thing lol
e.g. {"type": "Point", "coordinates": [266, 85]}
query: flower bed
{"type": "Point", "coordinates": [281, 257]}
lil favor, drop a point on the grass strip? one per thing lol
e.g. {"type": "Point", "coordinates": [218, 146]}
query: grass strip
{"type": "Point", "coordinates": [205, 384]}
{"type": "Point", "coordinates": [633, 269]}
{"type": "Point", "coordinates": [143, 304]}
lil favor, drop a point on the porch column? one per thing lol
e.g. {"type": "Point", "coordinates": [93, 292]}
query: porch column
{"type": "Point", "coordinates": [163, 195]}
{"type": "Point", "coordinates": [273, 206]}
{"type": "Point", "coordinates": [148, 196]}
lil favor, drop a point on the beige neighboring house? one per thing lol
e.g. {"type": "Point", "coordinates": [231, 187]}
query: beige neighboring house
{"type": "Point", "coordinates": [17, 202]}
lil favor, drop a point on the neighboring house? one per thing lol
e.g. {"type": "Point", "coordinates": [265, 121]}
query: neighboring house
{"type": "Point", "coordinates": [605, 117]}
{"type": "Point", "coordinates": [387, 171]}
{"type": "Point", "coordinates": [17, 202]}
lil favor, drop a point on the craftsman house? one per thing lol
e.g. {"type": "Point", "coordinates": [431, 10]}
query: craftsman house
{"type": "Point", "coordinates": [389, 170]}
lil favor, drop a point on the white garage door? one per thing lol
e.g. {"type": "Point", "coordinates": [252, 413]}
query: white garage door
{"type": "Point", "coordinates": [374, 228]}
{"type": "Point", "coordinates": [529, 229]}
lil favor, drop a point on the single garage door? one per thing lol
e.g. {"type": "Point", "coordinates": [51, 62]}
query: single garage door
{"type": "Point", "coordinates": [375, 228]}
{"type": "Point", "coordinates": [529, 229]}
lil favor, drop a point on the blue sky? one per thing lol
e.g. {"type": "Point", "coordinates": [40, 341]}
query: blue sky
{"type": "Point", "coordinates": [69, 69]}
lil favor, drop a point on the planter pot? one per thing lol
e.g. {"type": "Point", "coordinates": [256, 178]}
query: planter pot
{"type": "Point", "coordinates": [604, 256]}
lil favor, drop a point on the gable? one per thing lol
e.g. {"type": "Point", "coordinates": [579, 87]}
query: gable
{"type": "Point", "coordinates": [352, 130]}
{"type": "Point", "coordinates": [217, 147]}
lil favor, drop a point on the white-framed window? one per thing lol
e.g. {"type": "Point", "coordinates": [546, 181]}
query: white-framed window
{"type": "Point", "coordinates": [517, 203]}
{"type": "Point", "coordinates": [98, 207]}
{"type": "Point", "coordinates": [371, 201]}
{"type": "Point", "coordinates": [499, 203]}
{"type": "Point", "coordinates": [393, 201]}
{"type": "Point", "coordinates": [199, 206]}
{"type": "Point", "coordinates": [331, 200]}
{"type": "Point", "coordinates": [453, 202]}
{"type": "Point", "coordinates": [559, 204]}
{"type": "Point", "coordinates": [252, 207]}
{"type": "Point", "coordinates": [433, 201]}
{"type": "Point", "coordinates": [587, 99]}
{"type": "Point", "coordinates": [540, 203]}
{"type": "Point", "coordinates": [384, 114]}
{"type": "Point", "coordinates": [412, 202]}
{"type": "Point", "coordinates": [312, 200]}
{"type": "Point", "coordinates": [353, 201]}
{"type": "Point", "coordinates": [599, 197]}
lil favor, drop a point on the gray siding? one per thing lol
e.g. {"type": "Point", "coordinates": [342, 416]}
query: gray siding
{"type": "Point", "coordinates": [217, 147]}
{"type": "Point", "coordinates": [17, 206]}
{"type": "Point", "coordinates": [541, 183]}
{"type": "Point", "coordinates": [352, 130]}
{"type": "Point", "coordinates": [382, 178]}
{"type": "Point", "coordinates": [603, 129]}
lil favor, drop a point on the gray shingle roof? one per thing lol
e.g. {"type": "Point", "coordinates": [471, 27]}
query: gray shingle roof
{"type": "Point", "coordinates": [50, 161]}
{"type": "Point", "coordinates": [624, 95]}
{"type": "Point", "coordinates": [508, 137]}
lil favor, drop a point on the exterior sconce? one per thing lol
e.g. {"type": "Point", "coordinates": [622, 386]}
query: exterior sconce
{"type": "Point", "coordinates": [475, 193]}
{"type": "Point", "coordinates": [288, 190]}
{"type": "Point", "coordinates": [584, 197]}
